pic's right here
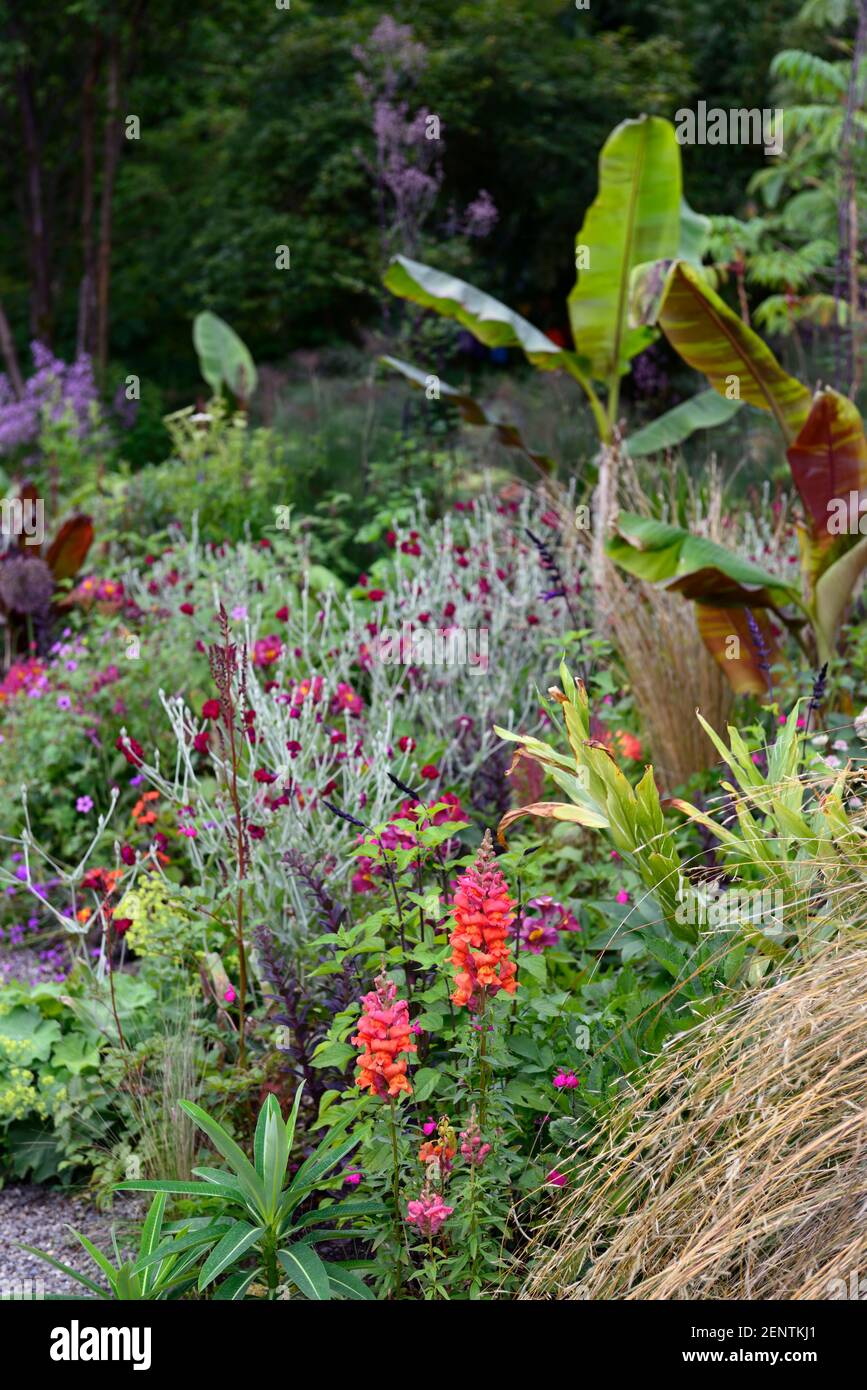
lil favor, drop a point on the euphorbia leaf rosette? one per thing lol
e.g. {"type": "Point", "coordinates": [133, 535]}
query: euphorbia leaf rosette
{"type": "Point", "coordinates": [482, 913]}
{"type": "Point", "coordinates": [384, 1038]}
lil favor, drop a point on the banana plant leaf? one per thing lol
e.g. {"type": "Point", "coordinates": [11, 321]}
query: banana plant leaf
{"type": "Point", "coordinates": [473, 412]}
{"type": "Point", "coordinates": [635, 217]}
{"type": "Point", "coordinates": [692, 566]}
{"type": "Point", "coordinates": [701, 412]}
{"type": "Point", "coordinates": [829, 466]}
{"type": "Point", "coordinates": [486, 318]}
{"type": "Point", "coordinates": [744, 659]}
{"type": "Point", "coordinates": [712, 339]}
{"type": "Point", "coordinates": [68, 551]}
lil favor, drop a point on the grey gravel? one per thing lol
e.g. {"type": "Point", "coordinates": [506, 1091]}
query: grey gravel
{"type": "Point", "coordinates": [41, 1216]}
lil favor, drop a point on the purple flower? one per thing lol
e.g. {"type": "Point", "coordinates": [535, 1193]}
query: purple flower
{"type": "Point", "coordinates": [83, 805]}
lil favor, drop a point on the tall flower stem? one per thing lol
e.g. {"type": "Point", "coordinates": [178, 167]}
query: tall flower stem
{"type": "Point", "coordinates": [483, 1065]}
{"type": "Point", "coordinates": [395, 1186]}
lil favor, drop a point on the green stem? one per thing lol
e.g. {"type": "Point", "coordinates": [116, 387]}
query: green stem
{"type": "Point", "coordinates": [395, 1188]}
{"type": "Point", "coordinates": [483, 1066]}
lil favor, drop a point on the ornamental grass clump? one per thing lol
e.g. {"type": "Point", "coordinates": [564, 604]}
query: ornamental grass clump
{"type": "Point", "coordinates": [733, 1167]}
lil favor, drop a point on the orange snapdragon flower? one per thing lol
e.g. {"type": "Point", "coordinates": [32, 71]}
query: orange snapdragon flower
{"type": "Point", "coordinates": [384, 1038]}
{"type": "Point", "coordinates": [482, 914]}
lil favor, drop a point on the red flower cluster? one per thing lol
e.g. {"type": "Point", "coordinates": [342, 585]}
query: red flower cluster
{"type": "Point", "coordinates": [384, 1038]}
{"type": "Point", "coordinates": [482, 913]}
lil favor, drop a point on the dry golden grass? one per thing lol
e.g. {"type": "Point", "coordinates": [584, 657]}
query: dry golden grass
{"type": "Point", "coordinates": [671, 674]}
{"type": "Point", "coordinates": [737, 1167]}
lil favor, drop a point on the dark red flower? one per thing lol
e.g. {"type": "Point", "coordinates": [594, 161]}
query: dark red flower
{"type": "Point", "coordinates": [201, 742]}
{"type": "Point", "coordinates": [282, 614]}
{"type": "Point", "coordinates": [132, 751]}
{"type": "Point", "coordinates": [127, 854]}
{"type": "Point", "coordinates": [294, 748]}
{"type": "Point", "coordinates": [260, 775]}
{"type": "Point", "coordinates": [188, 609]}
{"type": "Point", "coordinates": [376, 595]}
{"type": "Point", "coordinates": [430, 772]}
{"type": "Point", "coordinates": [121, 924]}
{"type": "Point", "coordinates": [257, 832]}
{"type": "Point", "coordinates": [211, 709]}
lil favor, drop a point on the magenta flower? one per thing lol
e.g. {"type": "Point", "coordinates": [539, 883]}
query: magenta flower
{"type": "Point", "coordinates": [536, 935]}
{"type": "Point", "coordinates": [83, 805]}
{"type": "Point", "coordinates": [566, 1080]}
{"type": "Point", "coordinates": [429, 1126]}
{"type": "Point", "coordinates": [556, 1179]}
{"type": "Point", "coordinates": [623, 896]}
{"type": "Point", "coordinates": [352, 1180]}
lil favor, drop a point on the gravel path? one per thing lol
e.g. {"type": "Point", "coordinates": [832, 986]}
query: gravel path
{"type": "Point", "coordinates": [39, 1216]}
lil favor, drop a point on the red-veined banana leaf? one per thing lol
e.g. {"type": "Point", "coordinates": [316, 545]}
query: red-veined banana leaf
{"type": "Point", "coordinates": [710, 337]}
{"type": "Point", "coordinates": [724, 586]}
{"type": "Point", "coordinates": [68, 551]}
{"type": "Point", "coordinates": [692, 566]}
{"type": "Point", "coordinates": [472, 411]}
{"type": "Point", "coordinates": [635, 217]}
{"type": "Point", "coordinates": [727, 634]}
{"type": "Point", "coordinates": [829, 468]}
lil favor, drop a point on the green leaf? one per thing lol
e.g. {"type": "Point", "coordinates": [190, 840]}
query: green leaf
{"type": "Point", "coordinates": [235, 1243]}
{"type": "Point", "coordinates": [425, 1082]}
{"type": "Point", "coordinates": [251, 1183]}
{"type": "Point", "coordinates": [150, 1233]}
{"type": "Point", "coordinates": [345, 1284]}
{"type": "Point", "coordinates": [693, 566]}
{"type": "Point", "coordinates": [486, 318]}
{"type": "Point", "coordinates": [701, 412]}
{"type": "Point", "coordinates": [233, 1289]}
{"type": "Point", "coordinates": [223, 357]}
{"type": "Point", "coordinates": [338, 1212]}
{"type": "Point", "coordinates": [276, 1153]}
{"type": "Point", "coordinates": [635, 217]}
{"type": "Point", "coordinates": [65, 1269]}
{"type": "Point", "coordinates": [197, 1189]}
{"type": "Point", "coordinates": [306, 1270]}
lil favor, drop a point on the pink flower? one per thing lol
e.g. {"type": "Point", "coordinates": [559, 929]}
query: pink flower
{"type": "Point", "coordinates": [623, 896]}
{"type": "Point", "coordinates": [556, 1179]}
{"type": "Point", "coordinates": [352, 1180]}
{"type": "Point", "coordinates": [429, 1212]}
{"type": "Point", "coordinates": [429, 1126]}
{"type": "Point", "coordinates": [565, 1080]}
{"type": "Point", "coordinates": [83, 805]}
{"type": "Point", "coordinates": [230, 996]}
{"type": "Point", "coordinates": [267, 650]}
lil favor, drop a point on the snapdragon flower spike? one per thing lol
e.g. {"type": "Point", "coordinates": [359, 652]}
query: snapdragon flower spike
{"type": "Point", "coordinates": [428, 1212]}
{"type": "Point", "coordinates": [384, 1039]}
{"type": "Point", "coordinates": [472, 1148]}
{"type": "Point", "coordinates": [482, 913]}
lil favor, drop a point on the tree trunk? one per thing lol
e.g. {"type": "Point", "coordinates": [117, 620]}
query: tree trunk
{"type": "Point", "coordinates": [111, 157]}
{"type": "Point", "coordinates": [10, 357]}
{"type": "Point", "coordinates": [85, 340]}
{"type": "Point", "coordinates": [41, 315]}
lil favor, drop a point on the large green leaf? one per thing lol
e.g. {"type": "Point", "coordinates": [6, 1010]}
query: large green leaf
{"type": "Point", "coordinates": [712, 339]}
{"type": "Point", "coordinates": [700, 412]}
{"type": "Point", "coordinates": [635, 217]}
{"type": "Point", "coordinates": [150, 1234]}
{"type": "Point", "coordinates": [692, 566]}
{"type": "Point", "coordinates": [306, 1270]}
{"type": "Point", "coordinates": [471, 410]}
{"type": "Point", "coordinates": [486, 318]}
{"type": "Point", "coordinates": [345, 1284]}
{"type": "Point", "coordinates": [223, 358]}
{"type": "Point", "coordinates": [235, 1243]}
{"type": "Point", "coordinates": [249, 1180]}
